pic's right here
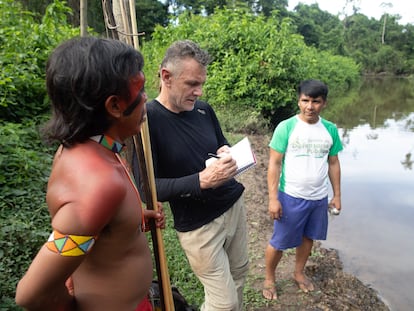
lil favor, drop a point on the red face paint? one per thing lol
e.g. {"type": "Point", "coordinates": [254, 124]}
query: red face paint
{"type": "Point", "coordinates": [137, 93]}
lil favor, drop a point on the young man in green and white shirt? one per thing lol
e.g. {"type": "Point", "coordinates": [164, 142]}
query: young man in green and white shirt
{"type": "Point", "coordinates": [303, 155]}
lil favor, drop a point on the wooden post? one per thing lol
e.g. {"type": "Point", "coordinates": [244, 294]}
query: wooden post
{"type": "Point", "coordinates": [83, 14]}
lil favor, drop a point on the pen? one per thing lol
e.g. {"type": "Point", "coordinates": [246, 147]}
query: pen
{"type": "Point", "coordinates": [213, 155]}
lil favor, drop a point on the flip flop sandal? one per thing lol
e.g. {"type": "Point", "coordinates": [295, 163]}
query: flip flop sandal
{"type": "Point", "coordinates": [269, 291]}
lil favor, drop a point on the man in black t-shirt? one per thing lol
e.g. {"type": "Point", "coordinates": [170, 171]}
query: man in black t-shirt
{"type": "Point", "coordinates": [206, 202]}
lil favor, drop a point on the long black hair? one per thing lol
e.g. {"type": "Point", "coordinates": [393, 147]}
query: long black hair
{"type": "Point", "coordinates": [81, 74]}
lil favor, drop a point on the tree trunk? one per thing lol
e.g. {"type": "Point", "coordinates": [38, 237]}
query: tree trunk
{"type": "Point", "coordinates": [83, 15]}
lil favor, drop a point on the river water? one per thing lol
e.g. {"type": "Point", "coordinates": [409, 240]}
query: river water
{"type": "Point", "coordinates": [374, 234]}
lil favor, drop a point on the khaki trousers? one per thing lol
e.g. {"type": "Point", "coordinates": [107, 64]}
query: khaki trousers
{"type": "Point", "coordinates": [218, 255]}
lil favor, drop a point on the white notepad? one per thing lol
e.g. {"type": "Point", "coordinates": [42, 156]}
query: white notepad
{"type": "Point", "coordinates": [242, 153]}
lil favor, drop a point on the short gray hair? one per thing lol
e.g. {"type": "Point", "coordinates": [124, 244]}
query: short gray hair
{"type": "Point", "coordinates": [183, 49]}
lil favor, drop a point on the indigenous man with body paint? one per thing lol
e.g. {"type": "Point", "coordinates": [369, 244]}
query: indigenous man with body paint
{"type": "Point", "coordinates": [303, 155]}
{"type": "Point", "coordinates": [97, 256]}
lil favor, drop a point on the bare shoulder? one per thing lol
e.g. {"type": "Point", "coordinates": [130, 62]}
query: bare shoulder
{"type": "Point", "coordinates": [87, 187]}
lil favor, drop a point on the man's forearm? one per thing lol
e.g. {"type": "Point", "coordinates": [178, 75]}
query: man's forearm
{"type": "Point", "coordinates": [172, 188]}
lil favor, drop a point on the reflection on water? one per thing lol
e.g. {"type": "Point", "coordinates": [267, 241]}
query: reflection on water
{"type": "Point", "coordinates": [374, 233]}
{"type": "Point", "coordinates": [407, 163]}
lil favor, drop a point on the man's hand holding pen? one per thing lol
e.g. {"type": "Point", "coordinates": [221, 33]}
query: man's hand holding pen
{"type": "Point", "coordinates": [219, 171]}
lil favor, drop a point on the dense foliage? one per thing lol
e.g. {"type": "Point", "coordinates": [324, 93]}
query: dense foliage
{"type": "Point", "coordinates": [24, 47]}
{"type": "Point", "coordinates": [24, 166]}
{"type": "Point", "coordinates": [363, 42]}
{"type": "Point", "coordinates": [378, 46]}
{"type": "Point", "coordinates": [257, 61]}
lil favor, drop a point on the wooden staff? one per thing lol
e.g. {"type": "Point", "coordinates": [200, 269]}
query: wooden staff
{"type": "Point", "coordinates": [166, 299]}
{"type": "Point", "coordinates": [143, 151]}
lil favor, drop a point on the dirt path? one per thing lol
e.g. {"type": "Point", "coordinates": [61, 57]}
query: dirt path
{"type": "Point", "coordinates": [335, 290]}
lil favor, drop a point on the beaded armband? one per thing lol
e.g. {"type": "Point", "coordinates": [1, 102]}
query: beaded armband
{"type": "Point", "coordinates": [70, 244]}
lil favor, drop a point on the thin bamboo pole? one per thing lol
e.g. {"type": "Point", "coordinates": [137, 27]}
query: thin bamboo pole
{"type": "Point", "coordinates": [83, 16]}
{"type": "Point", "coordinates": [160, 261]}
{"type": "Point", "coordinates": [126, 22]}
{"type": "Point", "coordinates": [134, 24]}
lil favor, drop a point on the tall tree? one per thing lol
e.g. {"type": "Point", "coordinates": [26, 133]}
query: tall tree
{"type": "Point", "coordinates": [266, 7]}
{"type": "Point", "coordinates": [319, 29]}
{"type": "Point", "coordinates": [384, 16]}
{"type": "Point", "coordinates": [149, 14]}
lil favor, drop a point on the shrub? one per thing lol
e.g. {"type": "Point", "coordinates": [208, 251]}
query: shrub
{"type": "Point", "coordinates": [24, 166]}
{"type": "Point", "coordinates": [24, 48]}
{"type": "Point", "coordinates": [257, 62]}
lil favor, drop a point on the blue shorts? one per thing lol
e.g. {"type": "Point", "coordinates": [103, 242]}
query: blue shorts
{"type": "Point", "coordinates": [300, 218]}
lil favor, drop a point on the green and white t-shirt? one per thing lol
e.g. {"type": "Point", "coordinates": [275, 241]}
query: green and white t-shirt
{"type": "Point", "coordinates": [306, 148]}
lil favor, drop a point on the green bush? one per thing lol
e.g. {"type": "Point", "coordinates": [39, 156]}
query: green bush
{"type": "Point", "coordinates": [257, 62]}
{"type": "Point", "coordinates": [24, 165]}
{"type": "Point", "coordinates": [24, 48]}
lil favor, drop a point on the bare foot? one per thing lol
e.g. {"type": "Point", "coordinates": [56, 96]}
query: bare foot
{"type": "Point", "coordinates": [269, 290]}
{"type": "Point", "coordinates": [304, 283]}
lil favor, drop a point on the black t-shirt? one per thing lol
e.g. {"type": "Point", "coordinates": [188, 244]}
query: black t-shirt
{"type": "Point", "coordinates": [180, 144]}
